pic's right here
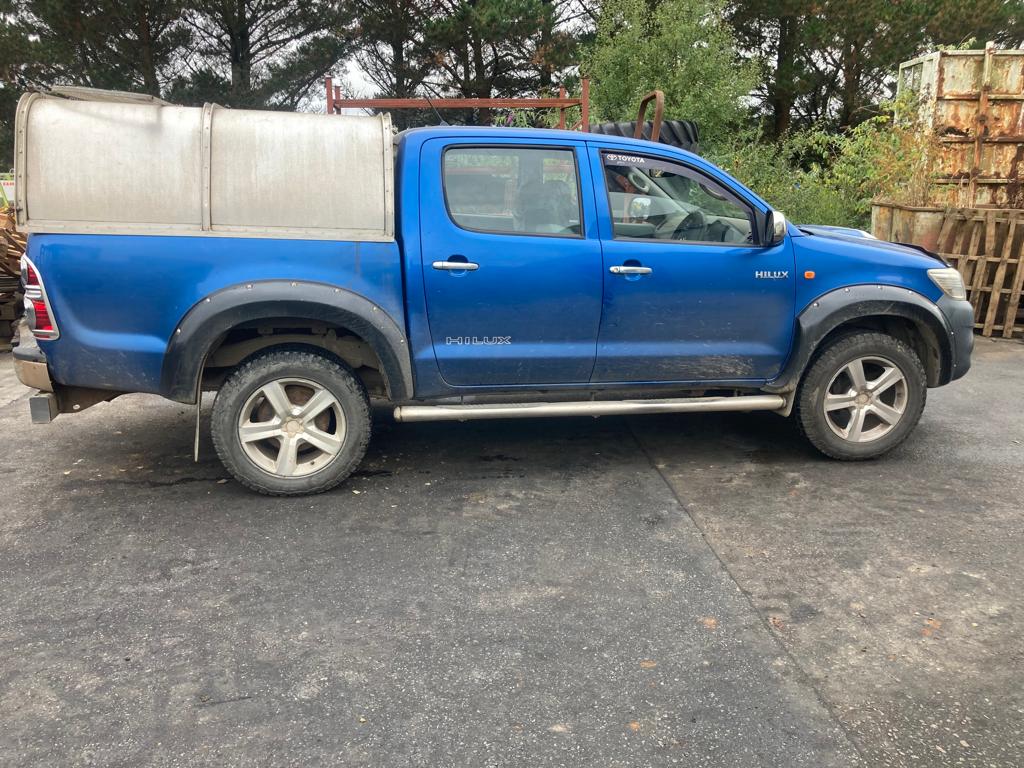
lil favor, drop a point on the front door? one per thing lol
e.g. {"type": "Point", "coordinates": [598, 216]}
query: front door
{"type": "Point", "coordinates": [511, 262]}
{"type": "Point", "coordinates": [690, 294]}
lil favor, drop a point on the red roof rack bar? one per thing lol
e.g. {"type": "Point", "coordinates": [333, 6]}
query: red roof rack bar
{"type": "Point", "coordinates": [337, 102]}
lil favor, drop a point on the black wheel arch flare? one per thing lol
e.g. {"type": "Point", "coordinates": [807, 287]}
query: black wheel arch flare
{"type": "Point", "coordinates": [216, 314]}
{"type": "Point", "coordinates": [843, 305]}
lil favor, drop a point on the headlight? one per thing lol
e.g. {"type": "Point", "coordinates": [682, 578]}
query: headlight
{"type": "Point", "coordinates": [949, 281]}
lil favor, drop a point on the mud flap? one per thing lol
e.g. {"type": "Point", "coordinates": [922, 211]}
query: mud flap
{"type": "Point", "coordinates": [790, 398]}
{"type": "Point", "coordinates": [195, 444]}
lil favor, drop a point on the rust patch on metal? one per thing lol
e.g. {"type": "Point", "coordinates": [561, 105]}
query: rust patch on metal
{"type": "Point", "coordinates": [976, 105]}
{"type": "Point", "coordinates": [1014, 189]}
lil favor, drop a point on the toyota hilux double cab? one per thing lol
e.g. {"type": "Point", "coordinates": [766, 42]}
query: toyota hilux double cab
{"type": "Point", "coordinates": [302, 264]}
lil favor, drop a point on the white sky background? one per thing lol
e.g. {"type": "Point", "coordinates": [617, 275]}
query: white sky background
{"type": "Point", "coordinates": [354, 84]}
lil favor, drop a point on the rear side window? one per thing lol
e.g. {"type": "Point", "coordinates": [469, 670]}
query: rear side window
{"type": "Point", "coordinates": [513, 190]}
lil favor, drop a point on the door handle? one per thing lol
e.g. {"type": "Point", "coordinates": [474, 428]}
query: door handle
{"type": "Point", "coordinates": [624, 270]}
{"type": "Point", "coordinates": [456, 266]}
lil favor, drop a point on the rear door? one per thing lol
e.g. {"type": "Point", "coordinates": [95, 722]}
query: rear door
{"type": "Point", "coordinates": [511, 261]}
{"type": "Point", "coordinates": [690, 292]}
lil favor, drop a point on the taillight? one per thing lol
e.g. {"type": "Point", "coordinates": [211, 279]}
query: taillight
{"type": "Point", "coordinates": [37, 308]}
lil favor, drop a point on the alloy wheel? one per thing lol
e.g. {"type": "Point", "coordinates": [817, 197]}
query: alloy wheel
{"type": "Point", "coordinates": [291, 427]}
{"type": "Point", "coordinates": [865, 399]}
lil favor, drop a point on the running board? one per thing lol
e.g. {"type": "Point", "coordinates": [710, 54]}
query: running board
{"type": "Point", "coordinates": [588, 408]}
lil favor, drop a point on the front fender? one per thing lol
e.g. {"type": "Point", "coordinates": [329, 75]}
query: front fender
{"type": "Point", "coordinates": [831, 310]}
{"type": "Point", "coordinates": [216, 314]}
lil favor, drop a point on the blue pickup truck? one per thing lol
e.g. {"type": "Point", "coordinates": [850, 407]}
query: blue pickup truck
{"type": "Point", "coordinates": [458, 273]}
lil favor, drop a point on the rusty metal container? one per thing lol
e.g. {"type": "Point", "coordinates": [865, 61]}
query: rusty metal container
{"type": "Point", "coordinates": [974, 101]}
{"type": "Point", "coordinates": [907, 223]}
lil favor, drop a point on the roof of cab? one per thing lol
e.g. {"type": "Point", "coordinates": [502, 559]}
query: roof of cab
{"type": "Point", "coordinates": [417, 136]}
{"type": "Point", "coordinates": [487, 132]}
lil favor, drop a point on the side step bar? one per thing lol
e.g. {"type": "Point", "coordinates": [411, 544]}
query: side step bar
{"type": "Point", "coordinates": [588, 408]}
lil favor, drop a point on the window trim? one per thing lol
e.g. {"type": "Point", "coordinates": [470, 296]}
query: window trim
{"type": "Point", "coordinates": [570, 148]}
{"type": "Point", "coordinates": [751, 213]}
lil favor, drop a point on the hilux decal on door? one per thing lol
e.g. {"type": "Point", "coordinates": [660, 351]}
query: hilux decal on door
{"type": "Point", "coordinates": [478, 340]}
{"type": "Point", "coordinates": [774, 275]}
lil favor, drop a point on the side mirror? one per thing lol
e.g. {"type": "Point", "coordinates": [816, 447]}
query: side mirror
{"type": "Point", "coordinates": [639, 208]}
{"type": "Point", "coordinates": [777, 228]}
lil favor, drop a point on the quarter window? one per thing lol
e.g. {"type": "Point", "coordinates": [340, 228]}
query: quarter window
{"type": "Point", "coordinates": [513, 190]}
{"type": "Point", "coordinates": [653, 199]}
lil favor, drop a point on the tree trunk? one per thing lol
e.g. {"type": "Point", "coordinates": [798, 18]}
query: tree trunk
{"type": "Point", "coordinates": [147, 57]}
{"type": "Point", "coordinates": [401, 88]}
{"type": "Point", "coordinates": [241, 54]}
{"type": "Point", "coordinates": [481, 87]}
{"type": "Point", "coordinates": [546, 68]}
{"type": "Point", "coordinates": [849, 95]}
{"type": "Point", "coordinates": [783, 90]}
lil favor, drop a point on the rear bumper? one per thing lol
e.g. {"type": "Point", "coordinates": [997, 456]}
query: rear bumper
{"type": "Point", "coordinates": [960, 317]}
{"type": "Point", "coordinates": [30, 364]}
{"type": "Point", "coordinates": [32, 371]}
{"type": "Point", "coordinates": [51, 398]}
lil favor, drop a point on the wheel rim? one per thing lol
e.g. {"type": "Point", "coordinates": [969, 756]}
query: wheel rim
{"type": "Point", "coordinates": [866, 399]}
{"type": "Point", "coordinates": [291, 427]}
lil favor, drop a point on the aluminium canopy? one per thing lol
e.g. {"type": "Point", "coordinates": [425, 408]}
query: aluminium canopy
{"type": "Point", "coordinates": [103, 162]}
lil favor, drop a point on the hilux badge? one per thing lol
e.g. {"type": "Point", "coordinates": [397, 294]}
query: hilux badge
{"type": "Point", "coordinates": [777, 275]}
{"type": "Point", "coordinates": [478, 340]}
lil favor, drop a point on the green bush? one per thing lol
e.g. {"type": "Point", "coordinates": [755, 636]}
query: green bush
{"type": "Point", "coordinates": [805, 195]}
{"type": "Point", "coordinates": [683, 47]}
{"type": "Point", "coordinates": [818, 177]}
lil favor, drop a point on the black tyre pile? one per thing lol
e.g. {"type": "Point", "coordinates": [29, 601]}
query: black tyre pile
{"type": "Point", "coordinates": [677, 133]}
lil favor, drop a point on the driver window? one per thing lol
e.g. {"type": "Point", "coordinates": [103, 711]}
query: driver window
{"type": "Point", "coordinates": [653, 199]}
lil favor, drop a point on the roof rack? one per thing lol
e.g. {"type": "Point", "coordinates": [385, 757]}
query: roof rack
{"type": "Point", "coordinates": [337, 102]}
{"type": "Point", "coordinates": [677, 133]}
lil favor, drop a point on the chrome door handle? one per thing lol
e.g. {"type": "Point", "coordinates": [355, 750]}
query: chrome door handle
{"type": "Point", "coordinates": [456, 266]}
{"type": "Point", "coordinates": [624, 270]}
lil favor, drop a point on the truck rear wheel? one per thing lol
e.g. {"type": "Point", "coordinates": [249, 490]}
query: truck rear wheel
{"type": "Point", "coordinates": [862, 396]}
{"type": "Point", "coordinates": [290, 422]}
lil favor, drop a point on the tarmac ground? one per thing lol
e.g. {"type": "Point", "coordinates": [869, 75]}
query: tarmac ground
{"type": "Point", "coordinates": [686, 590]}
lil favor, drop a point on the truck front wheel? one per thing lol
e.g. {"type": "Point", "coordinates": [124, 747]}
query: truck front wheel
{"type": "Point", "coordinates": [290, 422]}
{"type": "Point", "coordinates": [862, 396]}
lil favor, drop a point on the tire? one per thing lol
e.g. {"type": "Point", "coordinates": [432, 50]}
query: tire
{"type": "Point", "coordinates": [868, 414]}
{"type": "Point", "coordinates": [305, 418]}
{"type": "Point", "coordinates": [677, 133]}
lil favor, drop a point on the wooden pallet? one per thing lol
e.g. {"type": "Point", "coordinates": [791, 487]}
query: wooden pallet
{"type": "Point", "coordinates": [987, 247]}
{"type": "Point", "coordinates": [12, 246]}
